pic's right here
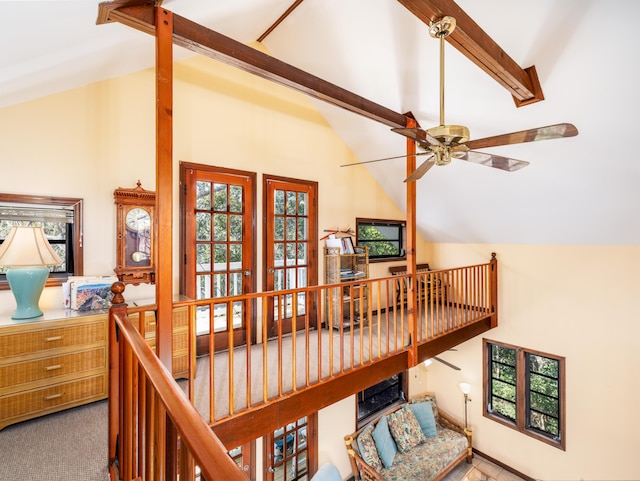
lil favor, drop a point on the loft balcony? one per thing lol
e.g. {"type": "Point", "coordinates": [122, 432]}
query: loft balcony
{"type": "Point", "coordinates": [242, 392]}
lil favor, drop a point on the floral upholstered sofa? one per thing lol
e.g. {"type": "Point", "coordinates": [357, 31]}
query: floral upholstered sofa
{"type": "Point", "coordinates": [412, 442]}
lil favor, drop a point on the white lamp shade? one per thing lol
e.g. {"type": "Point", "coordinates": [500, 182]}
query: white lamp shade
{"type": "Point", "coordinates": [27, 246]}
{"type": "Point", "coordinates": [427, 362]}
{"type": "Point", "coordinates": [465, 387]}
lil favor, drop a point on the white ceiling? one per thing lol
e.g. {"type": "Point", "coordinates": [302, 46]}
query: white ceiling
{"type": "Point", "coordinates": [581, 190]}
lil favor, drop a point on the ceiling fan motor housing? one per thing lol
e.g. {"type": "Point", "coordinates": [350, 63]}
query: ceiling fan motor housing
{"type": "Point", "coordinates": [450, 134]}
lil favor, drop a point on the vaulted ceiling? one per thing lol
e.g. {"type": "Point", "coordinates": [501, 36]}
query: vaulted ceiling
{"type": "Point", "coordinates": [580, 190]}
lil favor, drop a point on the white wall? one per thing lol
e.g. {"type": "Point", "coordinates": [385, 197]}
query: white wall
{"type": "Point", "coordinates": [573, 301]}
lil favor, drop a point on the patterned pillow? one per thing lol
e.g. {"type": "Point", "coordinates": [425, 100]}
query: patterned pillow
{"type": "Point", "coordinates": [405, 429]}
{"type": "Point", "coordinates": [367, 448]}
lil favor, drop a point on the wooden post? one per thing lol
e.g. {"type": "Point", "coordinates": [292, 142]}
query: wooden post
{"type": "Point", "coordinates": [117, 306]}
{"type": "Point", "coordinates": [411, 247]}
{"type": "Point", "coordinates": [494, 290]}
{"type": "Point", "coordinates": [164, 184]}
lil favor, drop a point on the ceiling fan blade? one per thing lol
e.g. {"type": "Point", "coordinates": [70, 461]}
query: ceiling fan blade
{"type": "Point", "coordinates": [549, 132]}
{"type": "Point", "coordinates": [495, 161]}
{"type": "Point", "coordinates": [419, 135]}
{"type": "Point", "coordinates": [447, 363]}
{"type": "Point", "coordinates": [420, 171]}
{"type": "Point", "coordinates": [386, 158]}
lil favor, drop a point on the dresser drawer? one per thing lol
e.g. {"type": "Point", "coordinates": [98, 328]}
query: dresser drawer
{"type": "Point", "coordinates": [53, 398]}
{"type": "Point", "coordinates": [17, 375]}
{"type": "Point", "coordinates": [35, 340]}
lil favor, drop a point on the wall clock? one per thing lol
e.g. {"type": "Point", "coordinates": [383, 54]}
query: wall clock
{"type": "Point", "coordinates": [136, 235]}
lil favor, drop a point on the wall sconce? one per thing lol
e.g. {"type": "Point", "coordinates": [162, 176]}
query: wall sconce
{"type": "Point", "coordinates": [27, 253]}
{"type": "Point", "coordinates": [465, 387]}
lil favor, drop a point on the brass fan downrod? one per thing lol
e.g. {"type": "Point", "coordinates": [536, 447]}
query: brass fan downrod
{"type": "Point", "coordinates": [449, 135]}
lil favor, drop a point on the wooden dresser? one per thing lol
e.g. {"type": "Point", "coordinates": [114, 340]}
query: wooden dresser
{"type": "Point", "coordinates": [180, 337]}
{"type": "Point", "coordinates": [51, 363]}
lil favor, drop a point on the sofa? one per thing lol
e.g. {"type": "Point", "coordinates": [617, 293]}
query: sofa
{"type": "Point", "coordinates": [414, 441]}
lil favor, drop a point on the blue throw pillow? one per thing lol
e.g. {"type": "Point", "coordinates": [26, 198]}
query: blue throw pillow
{"type": "Point", "coordinates": [384, 442]}
{"type": "Point", "coordinates": [424, 414]}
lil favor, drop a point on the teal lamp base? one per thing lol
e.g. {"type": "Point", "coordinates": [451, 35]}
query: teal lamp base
{"type": "Point", "coordinates": [27, 284]}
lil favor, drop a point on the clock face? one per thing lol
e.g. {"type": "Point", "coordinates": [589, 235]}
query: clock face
{"type": "Point", "coordinates": [138, 220]}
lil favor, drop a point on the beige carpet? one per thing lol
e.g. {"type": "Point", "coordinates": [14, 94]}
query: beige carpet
{"type": "Point", "coordinates": [320, 356]}
{"type": "Point", "coordinates": [67, 446]}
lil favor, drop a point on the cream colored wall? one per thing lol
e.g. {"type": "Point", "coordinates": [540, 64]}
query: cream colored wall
{"type": "Point", "coordinates": [89, 141]}
{"type": "Point", "coordinates": [573, 301]}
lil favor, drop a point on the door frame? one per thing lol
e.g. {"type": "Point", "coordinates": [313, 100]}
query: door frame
{"type": "Point", "coordinates": [202, 344]}
{"type": "Point", "coordinates": [312, 273]}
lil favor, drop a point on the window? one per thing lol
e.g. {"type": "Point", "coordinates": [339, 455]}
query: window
{"type": "Point", "coordinates": [61, 219]}
{"type": "Point", "coordinates": [385, 238]}
{"type": "Point", "coordinates": [290, 451]}
{"type": "Point", "coordinates": [380, 396]}
{"type": "Point", "coordinates": [525, 391]}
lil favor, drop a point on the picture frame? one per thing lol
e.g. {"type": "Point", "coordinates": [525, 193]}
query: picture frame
{"type": "Point", "coordinates": [347, 244]}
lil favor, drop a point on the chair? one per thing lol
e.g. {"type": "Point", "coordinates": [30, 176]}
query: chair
{"type": "Point", "coordinates": [327, 472]}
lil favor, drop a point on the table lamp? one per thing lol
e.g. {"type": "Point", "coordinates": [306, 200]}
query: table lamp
{"type": "Point", "coordinates": [28, 254]}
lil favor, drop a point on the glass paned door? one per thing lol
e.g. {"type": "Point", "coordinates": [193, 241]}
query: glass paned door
{"type": "Point", "coordinates": [218, 251]}
{"type": "Point", "coordinates": [290, 250]}
{"type": "Point", "coordinates": [290, 451]}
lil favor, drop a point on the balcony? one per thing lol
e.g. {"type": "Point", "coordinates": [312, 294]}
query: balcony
{"type": "Point", "coordinates": [244, 392]}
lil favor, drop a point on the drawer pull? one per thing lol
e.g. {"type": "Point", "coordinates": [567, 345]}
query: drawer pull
{"type": "Point", "coordinates": [52, 396]}
{"type": "Point", "coordinates": [53, 338]}
{"type": "Point", "coordinates": [53, 368]}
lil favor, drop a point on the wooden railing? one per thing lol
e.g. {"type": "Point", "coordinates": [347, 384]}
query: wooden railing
{"type": "Point", "coordinates": [154, 432]}
{"type": "Point", "coordinates": [225, 384]}
{"type": "Point", "coordinates": [277, 365]}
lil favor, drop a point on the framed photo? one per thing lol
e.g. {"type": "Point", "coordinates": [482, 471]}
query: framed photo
{"type": "Point", "coordinates": [347, 245]}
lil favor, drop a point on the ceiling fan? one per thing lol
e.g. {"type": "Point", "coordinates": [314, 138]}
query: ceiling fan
{"type": "Point", "coordinates": [444, 142]}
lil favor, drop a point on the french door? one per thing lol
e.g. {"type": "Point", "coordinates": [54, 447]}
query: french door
{"type": "Point", "coordinates": [291, 240]}
{"type": "Point", "coordinates": [219, 261]}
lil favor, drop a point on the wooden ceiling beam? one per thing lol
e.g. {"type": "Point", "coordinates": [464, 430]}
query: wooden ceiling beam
{"type": "Point", "coordinates": [204, 41]}
{"type": "Point", "coordinates": [481, 49]}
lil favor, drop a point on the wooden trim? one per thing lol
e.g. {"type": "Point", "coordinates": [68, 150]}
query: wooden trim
{"type": "Point", "coordinates": [56, 279]}
{"type": "Point", "coordinates": [520, 423]}
{"type": "Point", "coordinates": [287, 12]}
{"type": "Point", "coordinates": [214, 45]}
{"type": "Point", "coordinates": [164, 184]}
{"type": "Point", "coordinates": [474, 43]}
{"type": "Point", "coordinates": [503, 466]}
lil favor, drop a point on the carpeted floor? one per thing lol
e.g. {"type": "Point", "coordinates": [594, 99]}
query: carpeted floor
{"type": "Point", "coordinates": [66, 446]}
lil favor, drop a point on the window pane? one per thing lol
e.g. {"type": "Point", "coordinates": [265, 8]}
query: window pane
{"type": "Point", "coordinates": [235, 198]}
{"type": "Point", "coordinates": [203, 258]}
{"type": "Point", "coordinates": [278, 226]}
{"type": "Point", "coordinates": [203, 226]}
{"type": "Point", "coordinates": [235, 228]}
{"type": "Point", "coordinates": [291, 228]}
{"type": "Point", "coordinates": [291, 203]}
{"type": "Point", "coordinates": [302, 228]}
{"type": "Point", "coordinates": [278, 201]}
{"type": "Point", "coordinates": [383, 238]}
{"type": "Point", "coordinates": [203, 195]}
{"type": "Point", "coordinates": [235, 254]}
{"type": "Point", "coordinates": [220, 259]}
{"type": "Point", "coordinates": [302, 203]}
{"type": "Point", "coordinates": [220, 197]}
{"type": "Point", "coordinates": [220, 227]}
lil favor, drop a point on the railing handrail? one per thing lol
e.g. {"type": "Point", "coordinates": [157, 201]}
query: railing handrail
{"type": "Point", "coordinates": [208, 451]}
